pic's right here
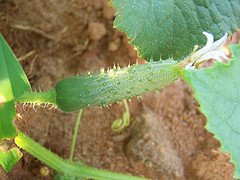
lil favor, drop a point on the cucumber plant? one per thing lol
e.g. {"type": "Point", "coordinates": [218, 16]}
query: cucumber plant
{"type": "Point", "coordinates": [165, 33]}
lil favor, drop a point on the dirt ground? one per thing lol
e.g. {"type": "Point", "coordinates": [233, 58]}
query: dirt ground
{"type": "Point", "coordinates": [57, 39]}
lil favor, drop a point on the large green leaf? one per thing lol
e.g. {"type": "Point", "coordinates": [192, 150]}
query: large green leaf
{"type": "Point", "coordinates": [171, 28]}
{"type": "Point", "coordinates": [7, 114]}
{"type": "Point", "coordinates": [13, 83]}
{"type": "Point", "coordinates": [12, 71]}
{"type": "Point", "coordinates": [9, 158]}
{"type": "Point", "coordinates": [217, 89]}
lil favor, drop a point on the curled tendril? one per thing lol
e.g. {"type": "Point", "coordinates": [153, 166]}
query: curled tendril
{"type": "Point", "coordinates": [119, 124]}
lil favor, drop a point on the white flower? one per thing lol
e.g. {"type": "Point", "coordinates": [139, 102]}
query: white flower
{"type": "Point", "coordinates": [212, 50]}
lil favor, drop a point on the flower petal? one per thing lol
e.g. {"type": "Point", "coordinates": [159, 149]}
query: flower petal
{"type": "Point", "coordinates": [218, 55]}
{"type": "Point", "coordinates": [206, 48]}
{"type": "Point", "coordinates": [189, 66]}
{"type": "Point", "coordinates": [219, 43]}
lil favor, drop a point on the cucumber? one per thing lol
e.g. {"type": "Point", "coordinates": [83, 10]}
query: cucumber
{"type": "Point", "coordinates": [103, 88]}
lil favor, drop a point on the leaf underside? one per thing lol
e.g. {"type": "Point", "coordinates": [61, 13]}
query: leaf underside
{"type": "Point", "coordinates": [170, 28]}
{"type": "Point", "coordinates": [217, 89]}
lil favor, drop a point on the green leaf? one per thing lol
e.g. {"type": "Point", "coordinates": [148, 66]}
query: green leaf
{"type": "Point", "coordinates": [7, 114]}
{"type": "Point", "coordinates": [12, 71]}
{"type": "Point", "coordinates": [217, 89]}
{"type": "Point", "coordinates": [13, 83]}
{"type": "Point", "coordinates": [9, 158]}
{"type": "Point", "coordinates": [171, 28]}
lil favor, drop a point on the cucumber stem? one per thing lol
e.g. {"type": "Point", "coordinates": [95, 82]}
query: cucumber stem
{"type": "Point", "coordinates": [47, 97]}
{"type": "Point", "coordinates": [63, 166]}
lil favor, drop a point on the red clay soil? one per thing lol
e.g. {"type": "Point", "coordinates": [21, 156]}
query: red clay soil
{"type": "Point", "coordinates": [166, 139]}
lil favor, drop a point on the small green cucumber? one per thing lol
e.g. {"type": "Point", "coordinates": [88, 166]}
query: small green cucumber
{"type": "Point", "coordinates": [104, 88]}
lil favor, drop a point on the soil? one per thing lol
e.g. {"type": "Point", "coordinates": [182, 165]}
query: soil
{"type": "Point", "coordinates": [58, 39]}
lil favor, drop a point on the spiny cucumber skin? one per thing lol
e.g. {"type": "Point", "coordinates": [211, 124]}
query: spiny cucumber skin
{"type": "Point", "coordinates": [101, 89]}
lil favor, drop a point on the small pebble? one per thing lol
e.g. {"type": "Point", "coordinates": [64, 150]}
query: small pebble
{"type": "Point", "coordinates": [114, 45]}
{"type": "Point", "coordinates": [96, 31]}
{"type": "Point", "coordinates": [97, 4]}
{"type": "Point", "coordinates": [44, 171]}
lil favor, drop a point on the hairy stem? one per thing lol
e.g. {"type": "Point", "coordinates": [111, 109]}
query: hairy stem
{"type": "Point", "coordinates": [64, 166]}
{"type": "Point", "coordinates": [48, 97]}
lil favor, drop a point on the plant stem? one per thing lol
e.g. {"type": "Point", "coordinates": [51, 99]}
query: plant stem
{"type": "Point", "coordinates": [64, 166]}
{"type": "Point", "coordinates": [47, 97]}
{"type": "Point", "coordinates": [126, 105]}
{"type": "Point", "coordinates": [76, 128]}
{"type": "Point", "coordinates": [127, 120]}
